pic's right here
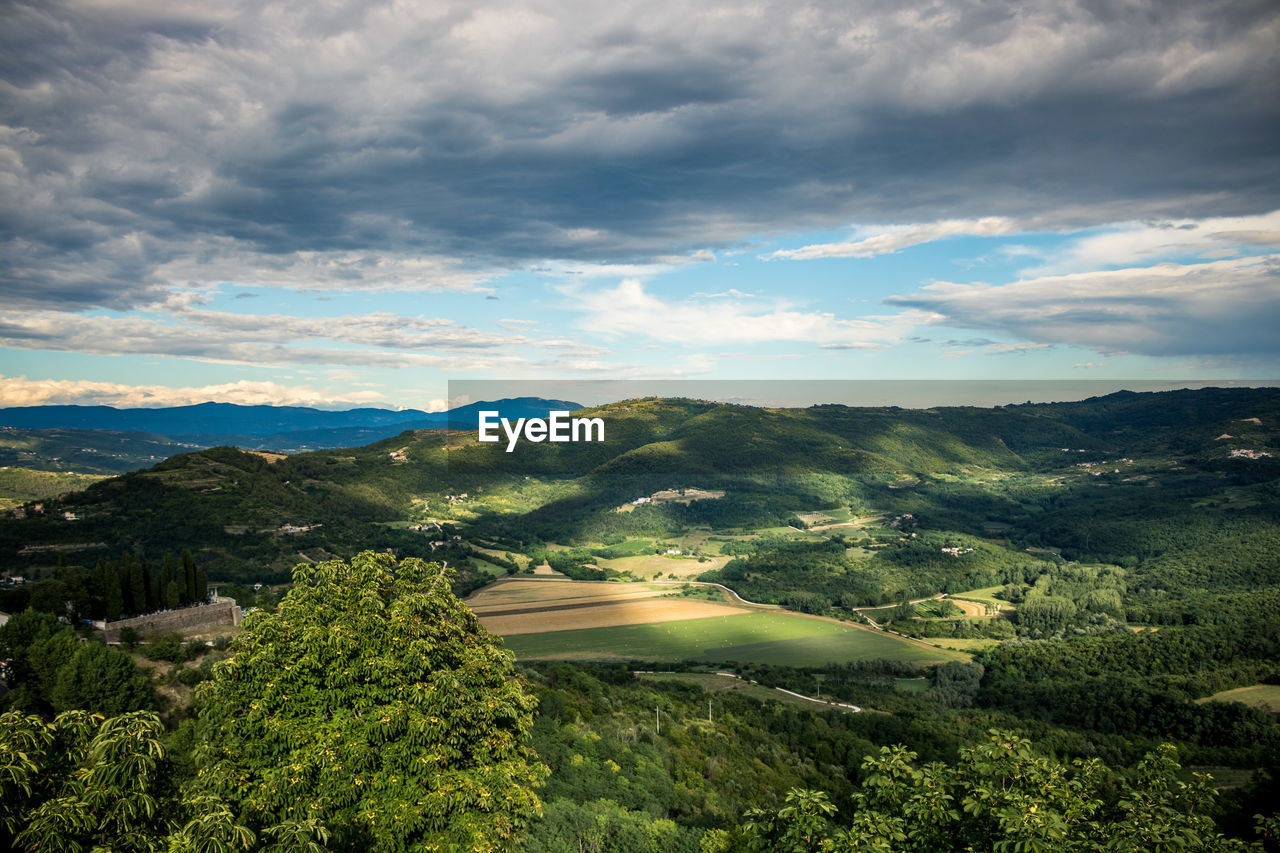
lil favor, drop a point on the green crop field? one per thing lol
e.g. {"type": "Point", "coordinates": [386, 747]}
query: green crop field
{"type": "Point", "coordinates": [774, 638]}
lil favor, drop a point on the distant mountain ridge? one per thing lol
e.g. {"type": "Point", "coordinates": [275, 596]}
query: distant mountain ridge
{"type": "Point", "coordinates": [288, 428]}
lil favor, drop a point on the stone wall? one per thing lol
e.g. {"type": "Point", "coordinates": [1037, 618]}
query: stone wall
{"type": "Point", "coordinates": [222, 613]}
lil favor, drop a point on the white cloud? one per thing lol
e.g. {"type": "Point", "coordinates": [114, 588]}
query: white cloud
{"type": "Point", "coordinates": [362, 340]}
{"type": "Point", "coordinates": [1132, 243]}
{"type": "Point", "coordinates": [219, 261]}
{"type": "Point", "coordinates": [628, 310]}
{"type": "Point", "coordinates": [20, 391]}
{"type": "Point", "coordinates": [995, 349]}
{"type": "Point", "coordinates": [875, 240]}
{"type": "Point", "coordinates": [732, 292]}
{"type": "Point", "coordinates": [1228, 307]}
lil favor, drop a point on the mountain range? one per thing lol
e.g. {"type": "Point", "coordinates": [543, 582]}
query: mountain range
{"type": "Point", "coordinates": [287, 429]}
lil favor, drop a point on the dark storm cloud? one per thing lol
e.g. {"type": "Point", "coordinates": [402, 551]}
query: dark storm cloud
{"type": "Point", "coordinates": [148, 144]}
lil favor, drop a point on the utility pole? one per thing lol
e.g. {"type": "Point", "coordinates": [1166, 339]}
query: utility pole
{"type": "Point", "coordinates": [708, 710]}
{"type": "Point", "coordinates": [657, 722]}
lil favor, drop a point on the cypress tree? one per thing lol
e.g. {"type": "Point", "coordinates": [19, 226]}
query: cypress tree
{"type": "Point", "coordinates": [137, 584]}
{"type": "Point", "coordinates": [188, 575]}
{"type": "Point", "coordinates": [155, 585]}
{"type": "Point", "coordinates": [171, 595]}
{"type": "Point", "coordinates": [170, 572]}
{"type": "Point", "coordinates": [113, 607]}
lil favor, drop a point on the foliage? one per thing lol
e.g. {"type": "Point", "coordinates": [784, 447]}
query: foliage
{"type": "Point", "coordinates": [1000, 795]}
{"type": "Point", "coordinates": [81, 781]}
{"type": "Point", "coordinates": [375, 704]}
{"type": "Point", "coordinates": [50, 670]}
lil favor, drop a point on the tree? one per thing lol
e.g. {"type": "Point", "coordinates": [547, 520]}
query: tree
{"type": "Point", "coordinates": [188, 577]}
{"type": "Point", "coordinates": [375, 703]}
{"type": "Point", "coordinates": [1002, 796]}
{"type": "Point", "coordinates": [101, 679]}
{"type": "Point", "coordinates": [172, 595]}
{"type": "Point", "coordinates": [82, 782]}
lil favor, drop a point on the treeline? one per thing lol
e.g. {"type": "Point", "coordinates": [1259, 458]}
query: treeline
{"type": "Point", "coordinates": [1204, 609]}
{"type": "Point", "coordinates": [1169, 651]}
{"type": "Point", "coordinates": [114, 589]}
{"type": "Point", "coordinates": [1144, 683]}
{"type": "Point", "coordinates": [814, 576]}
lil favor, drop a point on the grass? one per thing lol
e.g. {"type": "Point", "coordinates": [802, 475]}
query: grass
{"type": "Point", "coordinates": [986, 595]}
{"type": "Point", "coordinates": [660, 565]}
{"type": "Point", "coordinates": [629, 548]}
{"type": "Point", "coordinates": [770, 638]}
{"type": "Point", "coordinates": [1264, 697]}
{"type": "Point", "coordinates": [487, 567]}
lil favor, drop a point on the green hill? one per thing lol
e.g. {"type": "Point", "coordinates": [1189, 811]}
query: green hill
{"type": "Point", "coordinates": [1034, 472]}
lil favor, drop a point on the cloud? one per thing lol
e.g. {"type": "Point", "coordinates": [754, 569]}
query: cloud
{"type": "Point", "coordinates": [148, 145]}
{"type": "Point", "coordinates": [1219, 308]}
{"type": "Point", "coordinates": [732, 293]}
{"type": "Point", "coordinates": [1130, 243]}
{"type": "Point", "coordinates": [20, 391]}
{"type": "Point", "coordinates": [883, 240]}
{"type": "Point", "coordinates": [996, 349]}
{"type": "Point", "coordinates": [629, 310]}
{"type": "Point", "coordinates": [363, 340]}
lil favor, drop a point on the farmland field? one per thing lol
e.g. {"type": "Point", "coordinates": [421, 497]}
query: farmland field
{"type": "Point", "coordinates": [747, 637]}
{"type": "Point", "coordinates": [638, 610]}
{"type": "Point", "coordinates": [516, 592]}
{"type": "Point", "coordinates": [655, 565]}
{"type": "Point", "coordinates": [972, 609]}
{"type": "Point", "coordinates": [1264, 697]}
{"type": "Point", "coordinates": [985, 595]}
{"type": "Point", "coordinates": [517, 607]}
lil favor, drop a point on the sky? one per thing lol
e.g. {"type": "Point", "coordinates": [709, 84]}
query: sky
{"type": "Point", "coordinates": [356, 203]}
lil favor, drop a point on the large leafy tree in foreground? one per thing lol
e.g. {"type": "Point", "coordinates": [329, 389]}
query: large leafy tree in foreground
{"type": "Point", "coordinates": [375, 703]}
{"type": "Point", "coordinates": [1001, 796]}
